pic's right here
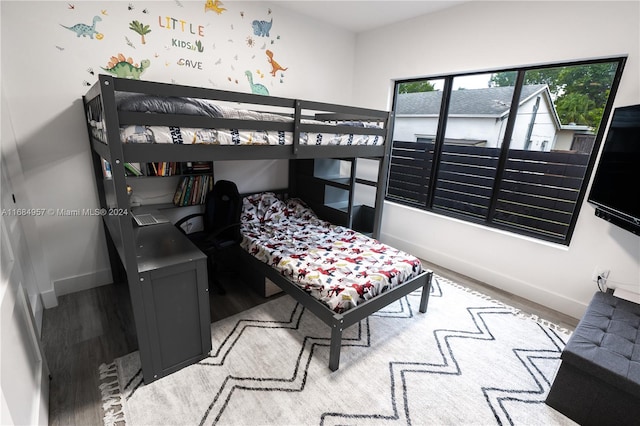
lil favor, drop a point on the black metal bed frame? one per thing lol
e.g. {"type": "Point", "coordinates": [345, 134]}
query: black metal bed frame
{"type": "Point", "coordinates": [100, 102]}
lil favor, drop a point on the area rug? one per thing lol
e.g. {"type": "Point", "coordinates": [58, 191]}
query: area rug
{"type": "Point", "coordinates": [468, 360]}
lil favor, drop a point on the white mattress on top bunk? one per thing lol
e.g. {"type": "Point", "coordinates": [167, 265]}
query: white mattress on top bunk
{"type": "Point", "coordinates": [190, 106]}
{"type": "Point", "coordinates": [334, 264]}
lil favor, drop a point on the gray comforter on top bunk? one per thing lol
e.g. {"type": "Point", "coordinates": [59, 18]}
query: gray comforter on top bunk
{"type": "Point", "coordinates": [191, 106]}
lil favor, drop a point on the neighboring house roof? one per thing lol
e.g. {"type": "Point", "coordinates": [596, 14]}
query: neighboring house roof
{"type": "Point", "coordinates": [491, 101]}
{"type": "Point", "coordinates": [576, 127]}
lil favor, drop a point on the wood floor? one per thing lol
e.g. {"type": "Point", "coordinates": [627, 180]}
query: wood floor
{"type": "Point", "coordinates": [95, 326]}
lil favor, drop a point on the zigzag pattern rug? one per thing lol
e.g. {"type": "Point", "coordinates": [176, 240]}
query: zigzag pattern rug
{"type": "Point", "coordinates": [468, 360]}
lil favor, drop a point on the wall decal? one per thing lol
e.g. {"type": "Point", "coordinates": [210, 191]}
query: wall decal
{"type": "Point", "coordinates": [256, 88]}
{"type": "Point", "coordinates": [188, 63]}
{"type": "Point", "coordinates": [214, 5]}
{"type": "Point", "coordinates": [196, 46]}
{"type": "Point", "coordinates": [262, 28]}
{"type": "Point", "coordinates": [140, 28]}
{"type": "Point", "coordinates": [86, 30]}
{"type": "Point", "coordinates": [275, 67]}
{"type": "Point", "coordinates": [179, 25]}
{"type": "Point", "coordinates": [125, 68]}
{"type": "Point", "coordinates": [234, 37]}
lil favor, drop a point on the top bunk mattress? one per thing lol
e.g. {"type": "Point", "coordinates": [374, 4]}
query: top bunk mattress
{"type": "Point", "coordinates": [338, 266]}
{"type": "Point", "coordinates": [140, 103]}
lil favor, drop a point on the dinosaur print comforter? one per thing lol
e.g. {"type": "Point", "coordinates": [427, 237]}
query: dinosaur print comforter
{"type": "Point", "coordinates": [334, 264]}
{"type": "Point", "coordinates": [190, 106]}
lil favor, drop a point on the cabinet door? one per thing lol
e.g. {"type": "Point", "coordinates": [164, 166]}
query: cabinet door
{"type": "Point", "coordinates": [176, 303]}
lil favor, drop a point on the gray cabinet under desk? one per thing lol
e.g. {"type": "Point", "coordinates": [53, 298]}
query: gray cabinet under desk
{"type": "Point", "coordinates": [174, 302]}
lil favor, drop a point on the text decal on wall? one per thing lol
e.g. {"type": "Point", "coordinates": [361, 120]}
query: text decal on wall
{"type": "Point", "coordinates": [179, 25]}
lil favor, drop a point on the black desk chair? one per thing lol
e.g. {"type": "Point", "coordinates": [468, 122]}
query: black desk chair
{"type": "Point", "coordinates": [221, 227]}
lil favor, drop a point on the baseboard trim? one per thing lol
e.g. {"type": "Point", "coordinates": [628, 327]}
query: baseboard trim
{"type": "Point", "coordinates": [493, 278]}
{"type": "Point", "coordinates": [82, 282]}
{"type": "Point", "coordinates": [49, 299]}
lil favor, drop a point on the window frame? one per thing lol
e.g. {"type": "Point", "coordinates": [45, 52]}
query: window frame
{"type": "Point", "coordinates": [505, 143]}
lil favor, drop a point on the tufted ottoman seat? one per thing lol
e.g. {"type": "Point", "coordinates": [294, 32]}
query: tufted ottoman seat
{"type": "Point", "coordinates": [598, 381]}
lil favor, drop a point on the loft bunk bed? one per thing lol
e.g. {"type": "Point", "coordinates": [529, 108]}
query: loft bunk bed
{"type": "Point", "coordinates": [132, 121]}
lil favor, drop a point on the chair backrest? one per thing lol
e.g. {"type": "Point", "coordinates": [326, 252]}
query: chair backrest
{"type": "Point", "coordinates": [223, 207]}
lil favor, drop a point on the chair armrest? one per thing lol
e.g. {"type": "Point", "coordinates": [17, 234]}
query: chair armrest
{"type": "Point", "coordinates": [186, 218]}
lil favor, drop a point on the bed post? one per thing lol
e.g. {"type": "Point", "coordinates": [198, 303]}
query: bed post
{"type": "Point", "coordinates": [426, 289]}
{"type": "Point", "coordinates": [336, 342]}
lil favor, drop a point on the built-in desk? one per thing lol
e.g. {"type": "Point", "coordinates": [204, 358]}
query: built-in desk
{"type": "Point", "coordinates": [174, 300]}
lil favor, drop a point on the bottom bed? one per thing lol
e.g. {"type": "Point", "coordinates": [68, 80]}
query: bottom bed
{"type": "Point", "coordinates": [338, 274]}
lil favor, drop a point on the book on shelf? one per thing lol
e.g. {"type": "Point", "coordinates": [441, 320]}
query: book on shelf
{"type": "Point", "coordinates": [133, 169]}
{"type": "Point", "coordinates": [106, 169]}
{"type": "Point", "coordinates": [195, 167]}
{"type": "Point", "coordinates": [192, 190]}
{"type": "Point", "coordinates": [163, 168]}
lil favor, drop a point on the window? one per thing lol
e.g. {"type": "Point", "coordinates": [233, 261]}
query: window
{"type": "Point", "coordinates": [511, 149]}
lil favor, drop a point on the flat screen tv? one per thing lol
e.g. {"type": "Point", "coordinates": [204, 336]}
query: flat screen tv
{"type": "Point", "coordinates": [615, 191]}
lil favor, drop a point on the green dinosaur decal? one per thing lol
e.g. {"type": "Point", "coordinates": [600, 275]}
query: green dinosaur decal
{"type": "Point", "coordinates": [125, 68]}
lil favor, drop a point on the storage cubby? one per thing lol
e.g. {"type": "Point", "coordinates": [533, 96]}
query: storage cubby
{"type": "Point", "coordinates": [330, 187]}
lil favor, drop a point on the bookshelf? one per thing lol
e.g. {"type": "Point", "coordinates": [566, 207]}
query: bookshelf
{"type": "Point", "coordinates": [192, 180]}
{"type": "Point", "coordinates": [165, 272]}
{"type": "Point", "coordinates": [333, 189]}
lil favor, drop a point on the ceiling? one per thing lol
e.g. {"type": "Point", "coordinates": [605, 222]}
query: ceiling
{"type": "Point", "coordinates": [364, 15]}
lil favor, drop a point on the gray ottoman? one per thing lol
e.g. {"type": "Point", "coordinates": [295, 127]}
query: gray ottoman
{"type": "Point", "coordinates": [598, 381]}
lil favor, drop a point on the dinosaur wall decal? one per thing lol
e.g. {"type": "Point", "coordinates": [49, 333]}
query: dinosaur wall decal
{"type": "Point", "coordinates": [256, 88]}
{"type": "Point", "coordinates": [214, 5]}
{"type": "Point", "coordinates": [84, 29]}
{"type": "Point", "coordinates": [275, 67]}
{"type": "Point", "coordinates": [125, 68]}
{"type": "Point", "coordinates": [262, 28]}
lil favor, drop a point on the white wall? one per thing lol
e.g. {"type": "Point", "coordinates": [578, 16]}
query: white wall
{"type": "Point", "coordinates": [487, 35]}
{"type": "Point", "coordinates": [46, 70]}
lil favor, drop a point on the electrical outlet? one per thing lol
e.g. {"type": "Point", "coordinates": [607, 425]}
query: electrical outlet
{"type": "Point", "coordinates": [600, 274]}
